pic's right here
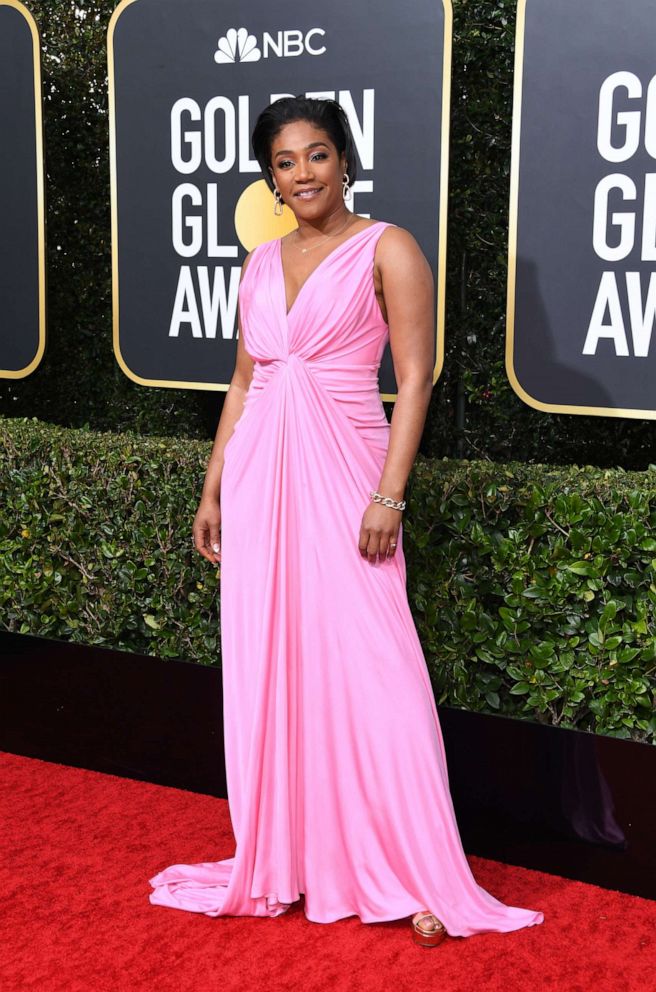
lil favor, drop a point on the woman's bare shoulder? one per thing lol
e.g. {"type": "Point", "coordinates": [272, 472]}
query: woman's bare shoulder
{"type": "Point", "coordinates": [398, 238]}
{"type": "Point", "coordinates": [398, 247]}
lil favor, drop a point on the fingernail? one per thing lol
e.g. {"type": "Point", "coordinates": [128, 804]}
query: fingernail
{"type": "Point", "coordinates": [216, 547]}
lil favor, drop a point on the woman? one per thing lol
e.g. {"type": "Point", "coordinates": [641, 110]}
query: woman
{"type": "Point", "coordinates": [337, 776]}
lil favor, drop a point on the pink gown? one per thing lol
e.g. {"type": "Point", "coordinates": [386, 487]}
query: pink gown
{"type": "Point", "coordinates": [337, 774]}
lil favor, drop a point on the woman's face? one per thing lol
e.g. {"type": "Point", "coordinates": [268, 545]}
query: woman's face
{"type": "Point", "coordinates": [307, 170]}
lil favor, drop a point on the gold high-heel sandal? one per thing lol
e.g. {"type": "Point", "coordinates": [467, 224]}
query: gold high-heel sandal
{"type": "Point", "coordinates": [422, 935]}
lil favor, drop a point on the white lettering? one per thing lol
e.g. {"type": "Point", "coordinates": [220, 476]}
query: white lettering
{"type": "Point", "coordinates": [224, 105]}
{"type": "Point", "coordinates": [214, 249]}
{"type": "Point", "coordinates": [607, 296]}
{"type": "Point", "coordinates": [223, 139]}
{"type": "Point", "coordinates": [628, 119]}
{"type": "Point", "coordinates": [271, 45]}
{"type": "Point", "coordinates": [194, 223]}
{"type": "Point", "coordinates": [642, 321]}
{"type": "Point", "coordinates": [363, 133]}
{"type": "Point", "coordinates": [185, 310]}
{"type": "Point", "coordinates": [641, 317]}
{"type": "Point", "coordinates": [192, 139]}
{"type": "Point", "coordinates": [648, 252]}
{"type": "Point", "coordinates": [650, 116]}
{"type": "Point", "coordinates": [179, 223]}
{"type": "Point", "coordinates": [290, 43]}
{"type": "Point", "coordinates": [624, 221]}
{"type": "Point", "coordinates": [293, 43]}
{"type": "Point", "coordinates": [308, 47]}
{"type": "Point", "coordinates": [246, 163]}
{"type": "Point", "coordinates": [217, 305]}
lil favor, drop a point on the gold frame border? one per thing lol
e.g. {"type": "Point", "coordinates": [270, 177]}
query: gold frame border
{"type": "Point", "coordinates": [597, 411]}
{"type": "Point", "coordinates": [443, 195]}
{"type": "Point", "coordinates": [40, 193]}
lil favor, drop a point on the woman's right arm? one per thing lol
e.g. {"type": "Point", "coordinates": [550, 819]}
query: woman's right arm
{"type": "Point", "coordinates": [207, 522]}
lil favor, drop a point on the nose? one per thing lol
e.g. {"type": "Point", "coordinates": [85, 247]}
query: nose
{"type": "Point", "coordinates": [304, 171]}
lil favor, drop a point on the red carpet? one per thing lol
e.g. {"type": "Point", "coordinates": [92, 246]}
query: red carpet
{"type": "Point", "coordinates": [78, 848]}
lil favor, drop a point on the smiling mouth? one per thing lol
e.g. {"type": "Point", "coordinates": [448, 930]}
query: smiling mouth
{"type": "Point", "coordinates": [307, 194]}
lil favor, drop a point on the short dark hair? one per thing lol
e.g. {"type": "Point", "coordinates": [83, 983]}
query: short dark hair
{"type": "Point", "coordinates": [326, 114]}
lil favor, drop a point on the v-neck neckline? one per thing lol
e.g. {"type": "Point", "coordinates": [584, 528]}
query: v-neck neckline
{"type": "Point", "coordinates": [330, 254]}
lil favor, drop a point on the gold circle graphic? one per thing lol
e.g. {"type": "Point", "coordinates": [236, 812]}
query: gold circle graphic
{"type": "Point", "coordinates": [255, 221]}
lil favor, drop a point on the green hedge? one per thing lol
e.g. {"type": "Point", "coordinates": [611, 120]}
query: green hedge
{"type": "Point", "coordinates": [534, 591]}
{"type": "Point", "coordinates": [533, 587]}
{"type": "Point", "coordinates": [95, 540]}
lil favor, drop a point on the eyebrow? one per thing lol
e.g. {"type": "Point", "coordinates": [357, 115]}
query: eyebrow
{"type": "Point", "coordinates": [313, 144]}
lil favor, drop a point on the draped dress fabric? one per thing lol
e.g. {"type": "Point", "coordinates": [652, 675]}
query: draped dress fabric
{"type": "Point", "coordinates": [337, 773]}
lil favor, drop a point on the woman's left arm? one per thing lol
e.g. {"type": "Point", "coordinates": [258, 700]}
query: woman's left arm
{"type": "Point", "coordinates": [409, 294]}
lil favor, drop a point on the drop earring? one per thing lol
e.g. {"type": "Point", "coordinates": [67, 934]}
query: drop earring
{"type": "Point", "coordinates": [346, 189]}
{"type": "Point", "coordinates": [278, 202]}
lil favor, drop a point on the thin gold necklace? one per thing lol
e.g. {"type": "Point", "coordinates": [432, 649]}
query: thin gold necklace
{"type": "Point", "coordinates": [324, 239]}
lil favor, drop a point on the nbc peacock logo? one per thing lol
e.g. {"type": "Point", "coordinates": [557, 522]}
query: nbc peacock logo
{"type": "Point", "coordinates": [237, 45]}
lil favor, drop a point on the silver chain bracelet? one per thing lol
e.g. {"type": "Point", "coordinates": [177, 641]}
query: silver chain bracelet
{"type": "Point", "coordinates": [396, 504]}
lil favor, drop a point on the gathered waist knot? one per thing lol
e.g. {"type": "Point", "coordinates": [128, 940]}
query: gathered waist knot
{"type": "Point", "coordinates": [325, 369]}
{"type": "Point", "coordinates": [352, 386]}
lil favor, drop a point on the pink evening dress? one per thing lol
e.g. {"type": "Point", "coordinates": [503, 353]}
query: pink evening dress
{"type": "Point", "coordinates": [337, 775]}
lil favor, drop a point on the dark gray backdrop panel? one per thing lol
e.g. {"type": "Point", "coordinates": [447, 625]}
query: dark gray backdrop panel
{"type": "Point", "coordinates": [20, 330]}
{"type": "Point", "coordinates": [569, 49]}
{"type": "Point", "coordinates": [164, 50]}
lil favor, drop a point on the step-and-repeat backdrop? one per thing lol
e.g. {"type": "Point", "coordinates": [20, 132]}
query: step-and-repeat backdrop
{"type": "Point", "coordinates": [187, 81]}
{"type": "Point", "coordinates": [22, 241]}
{"type": "Point", "coordinates": [582, 248]}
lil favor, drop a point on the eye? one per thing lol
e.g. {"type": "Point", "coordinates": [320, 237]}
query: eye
{"type": "Point", "coordinates": [284, 163]}
{"type": "Point", "coordinates": [319, 155]}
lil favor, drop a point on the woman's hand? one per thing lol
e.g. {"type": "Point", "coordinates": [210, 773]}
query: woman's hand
{"type": "Point", "coordinates": [379, 532]}
{"type": "Point", "coordinates": [207, 529]}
